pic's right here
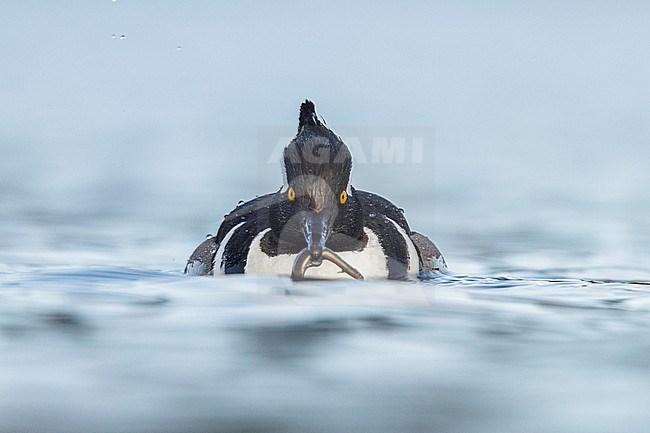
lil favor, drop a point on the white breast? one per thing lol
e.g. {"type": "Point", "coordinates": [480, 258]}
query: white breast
{"type": "Point", "coordinates": [371, 262]}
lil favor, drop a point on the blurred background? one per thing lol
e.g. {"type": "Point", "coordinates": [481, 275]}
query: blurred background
{"type": "Point", "coordinates": [156, 113]}
{"type": "Point", "coordinates": [514, 134]}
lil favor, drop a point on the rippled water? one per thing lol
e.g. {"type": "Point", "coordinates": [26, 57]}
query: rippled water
{"type": "Point", "coordinates": [119, 151]}
{"type": "Point", "coordinates": [541, 326]}
{"type": "Point", "coordinates": [88, 346]}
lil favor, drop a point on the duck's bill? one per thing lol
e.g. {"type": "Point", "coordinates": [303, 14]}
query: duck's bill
{"type": "Point", "coordinates": [305, 260]}
{"type": "Point", "coordinates": [316, 230]}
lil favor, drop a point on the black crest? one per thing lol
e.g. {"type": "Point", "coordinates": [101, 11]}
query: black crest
{"type": "Point", "coordinates": [317, 151]}
{"type": "Point", "coordinates": [308, 116]}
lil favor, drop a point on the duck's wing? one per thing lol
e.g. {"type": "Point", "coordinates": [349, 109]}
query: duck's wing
{"type": "Point", "coordinates": [387, 222]}
{"type": "Point", "coordinates": [374, 204]}
{"type": "Point", "coordinates": [248, 215]}
{"type": "Point", "coordinates": [239, 241]}
{"type": "Point", "coordinates": [432, 262]}
{"type": "Point", "coordinates": [200, 261]}
{"type": "Point", "coordinates": [394, 246]}
{"type": "Point", "coordinates": [375, 208]}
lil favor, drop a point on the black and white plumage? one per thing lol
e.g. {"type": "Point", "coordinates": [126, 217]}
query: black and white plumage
{"type": "Point", "coordinates": [317, 225]}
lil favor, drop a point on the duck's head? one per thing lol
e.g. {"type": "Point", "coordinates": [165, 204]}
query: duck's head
{"type": "Point", "coordinates": [316, 208]}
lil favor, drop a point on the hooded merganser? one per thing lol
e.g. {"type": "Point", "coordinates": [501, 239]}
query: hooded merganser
{"type": "Point", "coordinates": [317, 225]}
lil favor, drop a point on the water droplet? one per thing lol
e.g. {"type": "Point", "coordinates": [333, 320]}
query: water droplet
{"type": "Point", "coordinates": [401, 210]}
{"type": "Point", "coordinates": [372, 215]}
{"type": "Point", "coordinates": [113, 36]}
{"type": "Point", "coordinates": [123, 37]}
{"type": "Point", "coordinates": [208, 236]}
{"type": "Point", "coordinates": [242, 218]}
{"type": "Point", "coordinates": [225, 216]}
{"type": "Point", "coordinates": [179, 48]}
{"type": "Point", "coordinates": [240, 202]}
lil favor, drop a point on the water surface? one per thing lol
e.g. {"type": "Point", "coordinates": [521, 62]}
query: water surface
{"type": "Point", "coordinates": [119, 154]}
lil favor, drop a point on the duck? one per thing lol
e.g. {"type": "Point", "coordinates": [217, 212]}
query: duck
{"type": "Point", "coordinates": [317, 225]}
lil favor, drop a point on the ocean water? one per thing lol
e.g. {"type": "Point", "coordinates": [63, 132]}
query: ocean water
{"type": "Point", "coordinates": [538, 327]}
{"type": "Point", "coordinates": [130, 128]}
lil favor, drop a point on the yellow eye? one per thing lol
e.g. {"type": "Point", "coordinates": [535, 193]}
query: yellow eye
{"type": "Point", "coordinates": [343, 197]}
{"type": "Point", "coordinates": [291, 194]}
